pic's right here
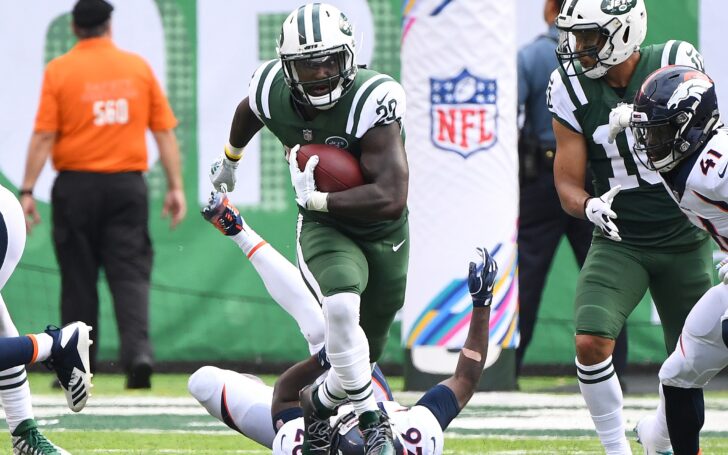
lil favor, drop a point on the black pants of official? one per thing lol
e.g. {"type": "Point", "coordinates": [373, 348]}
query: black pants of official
{"type": "Point", "coordinates": [101, 220]}
{"type": "Point", "coordinates": [542, 224]}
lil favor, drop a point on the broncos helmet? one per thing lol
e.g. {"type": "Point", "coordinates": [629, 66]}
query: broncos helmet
{"type": "Point", "coordinates": [675, 113]}
{"type": "Point", "coordinates": [347, 439]}
{"type": "Point", "coordinates": [316, 36]}
{"type": "Point", "coordinates": [600, 33]}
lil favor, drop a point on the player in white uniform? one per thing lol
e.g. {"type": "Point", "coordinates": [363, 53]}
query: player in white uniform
{"type": "Point", "coordinates": [676, 126]}
{"type": "Point", "coordinates": [274, 418]}
{"type": "Point", "coordinates": [73, 371]}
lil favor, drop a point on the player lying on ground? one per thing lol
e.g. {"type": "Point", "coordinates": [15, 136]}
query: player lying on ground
{"type": "Point", "coordinates": [63, 350]}
{"type": "Point", "coordinates": [676, 125]}
{"type": "Point", "coordinates": [241, 401]}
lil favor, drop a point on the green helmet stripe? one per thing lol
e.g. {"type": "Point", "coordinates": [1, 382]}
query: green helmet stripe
{"type": "Point", "coordinates": [301, 25]}
{"type": "Point", "coordinates": [570, 11]}
{"type": "Point", "coordinates": [316, 23]}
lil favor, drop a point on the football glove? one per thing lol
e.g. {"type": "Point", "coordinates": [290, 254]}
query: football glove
{"type": "Point", "coordinates": [304, 183]}
{"type": "Point", "coordinates": [619, 119]}
{"type": "Point", "coordinates": [723, 270]}
{"type": "Point", "coordinates": [481, 278]}
{"type": "Point", "coordinates": [222, 173]}
{"type": "Point", "coordinates": [599, 211]}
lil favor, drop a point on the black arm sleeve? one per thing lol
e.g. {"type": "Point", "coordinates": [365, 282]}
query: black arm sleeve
{"type": "Point", "coordinates": [441, 402]}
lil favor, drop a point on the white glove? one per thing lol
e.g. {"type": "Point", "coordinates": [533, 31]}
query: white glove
{"type": "Point", "coordinates": [304, 183]}
{"type": "Point", "coordinates": [723, 270]}
{"type": "Point", "coordinates": [222, 173]}
{"type": "Point", "coordinates": [619, 119]}
{"type": "Point", "coordinates": [599, 211]}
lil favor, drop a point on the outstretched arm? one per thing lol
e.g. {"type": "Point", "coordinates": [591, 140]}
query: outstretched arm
{"type": "Point", "coordinates": [481, 279]}
{"type": "Point", "coordinates": [446, 399]}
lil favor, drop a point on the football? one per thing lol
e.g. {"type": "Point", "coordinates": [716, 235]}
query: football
{"type": "Point", "coordinates": [337, 169]}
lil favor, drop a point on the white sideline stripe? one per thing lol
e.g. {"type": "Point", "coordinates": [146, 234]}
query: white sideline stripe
{"type": "Point", "coordinates": [515, 411]}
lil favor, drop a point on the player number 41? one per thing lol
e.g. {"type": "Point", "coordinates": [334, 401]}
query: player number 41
{"type": "Point", "coordinates": [111, 112]}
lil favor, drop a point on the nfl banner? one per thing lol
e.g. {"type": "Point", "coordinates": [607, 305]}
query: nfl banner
{"type": "Point", "coordinates": [459, 73]}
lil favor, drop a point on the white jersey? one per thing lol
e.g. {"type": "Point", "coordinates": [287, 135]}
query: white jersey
{"type": "Point", "coordinates": [705, 197]}
{"type": "Point", "coordinates": [416, 428]}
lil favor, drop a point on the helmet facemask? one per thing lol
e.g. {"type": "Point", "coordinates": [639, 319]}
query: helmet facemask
{"type": "Point", "coordinates": [597, 35]}
{"type": "Point", "coordinates": [675, 114]}
{"type": "Point", "coordinates": [587, 41]}
{"type": "Point", "coordinates": [321, 78]}
{"type": "Point", "coordinates": [318, 54]}
{"type": "Point", "coordinates": [661, 141]}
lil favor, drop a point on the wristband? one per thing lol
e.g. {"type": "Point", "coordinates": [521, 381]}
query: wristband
{"type": "Point", "coordinates": [25, 191]}
{"type": "Point", "coordinates": [318, 202]}
{"type": "Point", "coordinates": [233, 153]}
{"type": "Point", "coordinates": [586, 202]}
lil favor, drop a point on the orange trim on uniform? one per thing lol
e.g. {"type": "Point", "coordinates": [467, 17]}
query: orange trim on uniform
{"type": "Point", "coordinates": [35, 347]}
{"type": "Point", "coordinates": [256, 248]}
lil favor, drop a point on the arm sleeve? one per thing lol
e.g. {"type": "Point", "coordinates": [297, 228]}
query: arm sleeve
{"type": "Point", "coordinates": [685, 54]}
{"type": "Point", "coordinates": [161, 116]}
{"type": "Point", "coordinates": [259, 87]}
{"type": "Point", "coordinates": [384, 105]}
{"type": "Point", "coordinates": [441, 402]}
{"type": "Point", "coordinates": [560, 104]}
{"type": "Point", "coordinates": [46, 118]}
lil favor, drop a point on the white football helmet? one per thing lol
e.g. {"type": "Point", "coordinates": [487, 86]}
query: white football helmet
{"type": "Point", "coordinates": [316, 36]}
{"type": "Point", "coordinates": [607, 31]}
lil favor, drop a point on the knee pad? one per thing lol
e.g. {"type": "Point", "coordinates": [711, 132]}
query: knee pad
{"type": "Point", "coordinates": [342, 310]}
{"type": "Point", "coordinates": [203, 383]}
{"type": "Point", "coordinates": [341, 277]}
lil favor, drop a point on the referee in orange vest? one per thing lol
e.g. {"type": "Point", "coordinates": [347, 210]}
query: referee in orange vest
{"type": "Point", "coordinates": [96, 104]}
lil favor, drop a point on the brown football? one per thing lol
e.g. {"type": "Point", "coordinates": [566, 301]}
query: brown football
{"type": "Point", "coordinates": [337, 169]}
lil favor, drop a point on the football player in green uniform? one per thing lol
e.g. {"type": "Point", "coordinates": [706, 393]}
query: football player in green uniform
{"type": "Point", "coordinates": [641, 239]}
{"type": "Point", "coordinates": [352, 245]}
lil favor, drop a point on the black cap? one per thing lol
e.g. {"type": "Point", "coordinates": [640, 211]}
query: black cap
{"type": "Point", "coordinates": [90, 13]}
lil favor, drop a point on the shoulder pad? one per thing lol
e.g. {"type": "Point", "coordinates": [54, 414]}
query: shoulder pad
{"type": "Point", "coordinates": [379, 101]}
{"type": "Point", "coordinates": [259, 87]}
{"type": "Point", "coordinates": [563, 95]}
{"type": "Point", "coordinates": [682, 53]}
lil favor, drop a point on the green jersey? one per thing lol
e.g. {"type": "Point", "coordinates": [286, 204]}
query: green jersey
{"type": "Point", "coordinates": [647, 216]}
{"type": "Point", "coordinates": [375, 99]}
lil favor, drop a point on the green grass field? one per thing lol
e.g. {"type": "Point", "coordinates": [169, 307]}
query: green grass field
{"type": "Point", "coordinates": [166, 420]}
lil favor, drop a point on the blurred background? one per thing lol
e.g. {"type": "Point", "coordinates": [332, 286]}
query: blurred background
{"type": "Point", "coordinates": [208, 304]}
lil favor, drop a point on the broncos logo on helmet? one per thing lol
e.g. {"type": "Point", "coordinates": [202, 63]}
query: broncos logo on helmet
{"type": "Point", "coordinates": [675, 113]}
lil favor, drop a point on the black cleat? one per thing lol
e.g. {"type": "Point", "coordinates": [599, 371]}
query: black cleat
{"type": "Point", "coordinates": [317, 429]}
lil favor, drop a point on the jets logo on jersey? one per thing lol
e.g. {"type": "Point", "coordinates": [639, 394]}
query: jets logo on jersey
{"type": "Point", "coordinates": [617, 7]}
{"type": "Point", "coordinates": [463, 113]}
{"type": "Point", "coordinates": [691, 88]}
{"type": "Point", "coordinates": [337, 141]}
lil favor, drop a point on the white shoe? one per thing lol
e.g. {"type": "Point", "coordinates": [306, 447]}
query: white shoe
{"type": "Point", "coordinates": [70, 360]}
{"type": "Point", "coordinates": [652, 443]}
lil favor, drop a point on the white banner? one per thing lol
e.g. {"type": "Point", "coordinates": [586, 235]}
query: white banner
{"type": "Point", "coordinates": [25, 40]}
{"type": "Point", "coordinates": [459, 73]}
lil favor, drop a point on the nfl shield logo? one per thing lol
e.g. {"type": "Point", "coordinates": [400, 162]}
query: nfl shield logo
{"type": "Point", "coordinates": [307, 135]}
{"type": "Point", "coordinates": [464, 113]}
